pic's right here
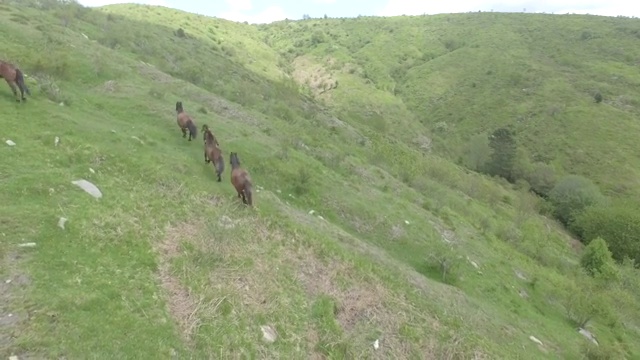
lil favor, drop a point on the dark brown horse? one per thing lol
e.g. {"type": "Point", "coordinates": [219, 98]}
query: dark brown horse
{"type": "Point", "coordinates": [240, 179]}
{"type": "Point", "coordinates": [15, 78]}
{"type": "Point", "coordinates": [186, 122]}
{"type": "Point", "coordinates": [212, 151]}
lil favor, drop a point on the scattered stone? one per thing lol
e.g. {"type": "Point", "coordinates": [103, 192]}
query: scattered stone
{"type": "Point", "coordinates": [56, 141]}
{"type": "Point", "coordinates": [113, 131]}
{"type": "Point", "coordinates": [523, 294]}
{"type": "Point", "coordinates": [137, 138]}
{"type": "Point", "coordinates": [92, 171]}
{"type": "Point", "coordinates": [88, 187]}
{"type": "Point", "coordinates": [406, 222]}
{"type": "Point", "coordinates": [535, 340]}
{"type": "Point", "coordinates": [61, 222]}
{"type": "Point", "coordinates": [85, 36]}
{"type": "Point", "coordinates": [473, 263]}
{"type": "Point", "coordinates": [51, 191]}
{"type": "Point", "coordinates": [278, 191]}
{"type": "Point", "coordinates": [268, 333]}
{"type": "Point", "coordinates": [10, 143]}
{"type": "Point", "coordinates": [376, 344]}
{"type": "Point", "coordinates": [7, 281]}
{"type": "Point", "coordinates": [291, 196]}
{"type": "Point", "coordinates": [30, 244]}
{"type": "Point", "coordinates": [311, 212]}
{"type": "Point", "coordinates": [13, 357]}
{"type": "Point", "coordinates": [320, 217]}
{"type": "Point", "coordinates": [61, 104]}
{"type": "Point", "coordinates": [586, 333]}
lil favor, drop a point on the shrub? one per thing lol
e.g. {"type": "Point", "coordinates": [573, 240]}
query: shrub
{"type": "Point", "coordinates": [618, 224]}
{"type": "Point", "coordinates": [542, 178]}
{"type": "Point", "coordinates": [584, 302]}
{"type": "Point", "coordinates": [572, 195]}
{"type": "Point", "coordinates": [598, 97]}
{"type": "Point", "coordinates": [597, 259]}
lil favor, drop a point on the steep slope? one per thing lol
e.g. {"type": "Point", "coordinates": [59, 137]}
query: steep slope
{"type": "Point", "coordinates": [168, 263]}
{"type": "Point", "coordinates": [465, 74]}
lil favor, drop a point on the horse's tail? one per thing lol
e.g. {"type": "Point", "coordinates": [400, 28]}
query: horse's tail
{"type": "Point", "coordinates": [220, 165]}
{"type": "Point", "coordinates": [192, 129]}
{"type": "Point", "coordinates": [20, 81]}
{"type": "Point", "coordinates": [248, 191]}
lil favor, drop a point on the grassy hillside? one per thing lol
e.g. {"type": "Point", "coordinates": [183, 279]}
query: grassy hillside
{"type": "Point", "coordinates": [358, 234]}
{"type": "Point", "coordinates": [465, 74]}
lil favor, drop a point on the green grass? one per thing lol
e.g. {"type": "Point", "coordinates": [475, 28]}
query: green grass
{"type": "Point", "coordinates": [169, 263]}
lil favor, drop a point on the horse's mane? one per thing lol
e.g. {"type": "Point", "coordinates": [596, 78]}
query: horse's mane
{"type": "Point", "coordinates": [209, 136]}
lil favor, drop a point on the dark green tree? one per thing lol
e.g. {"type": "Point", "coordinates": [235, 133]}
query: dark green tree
{"type": "Point", "coordinates": [503, 157]}
{"type": "Point", "coordinates": [572, 195]}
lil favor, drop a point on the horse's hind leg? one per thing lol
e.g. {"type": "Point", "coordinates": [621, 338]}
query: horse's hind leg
{"type": "Point", "coordinates": [184, 132]}
{"type": "Point", "coordinates": [13, 89]}
{"type": "Point", "coordinates": [244, 199]}
{"type": "Point", "coordinates": [22, 92]}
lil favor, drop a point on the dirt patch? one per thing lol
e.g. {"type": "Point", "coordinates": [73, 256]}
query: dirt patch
{"type": "Point", "coordinates": [11, 285]}
{"type": "Point", "coordinates": [181, 304]}
{"type": "Point", "coordinates": [318, 78]}
{"type": "Point", "coordinates": [362, 304]}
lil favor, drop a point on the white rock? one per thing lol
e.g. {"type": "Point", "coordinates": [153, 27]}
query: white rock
{"type": "Point", "coordinates": [92, 171]}
{"type": "Point", "coordinates": [56, 141]}
{"type": "Point", "coordinates": [13, 357]}
{"type": "Point", "coordinates": [586, 333]}
{"type": "Point", "coordinates": [376, 344]}
{"type": "Point", "coordinates": [535, 340]}
{"type": "Point", "coordinates": [268, 333]}
{"type": "Point", "coordinates": [88, 187]}
{"type": "Point", "coordinates": [10, 143]}
{"type": "Point", "coordinates": [406, 222]}
{"type": "Point", "coordinates": [61, 222]}
{"type": "Point", "coordinates": [311, 212]}
{"type": "Point", "coordinates": [30, 244]}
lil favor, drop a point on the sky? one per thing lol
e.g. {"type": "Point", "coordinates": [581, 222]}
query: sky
{"type": "Point", "coordinates": [266, 11]}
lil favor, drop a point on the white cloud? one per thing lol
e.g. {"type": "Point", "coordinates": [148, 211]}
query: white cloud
{"type": "Point", "coordinates": [270, 14]}
{"type": "Point", "coordinates": [95, 3]}
{"type": "Point", "coordinates": [324, 1]}
{"type": "Point", "coordinates": [594, 7]}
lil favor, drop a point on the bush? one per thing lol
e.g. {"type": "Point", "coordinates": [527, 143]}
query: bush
{"type": "Point", "coordinates": [584, 302]}
{"type": "Point", "coordinates": [618, 224]}
{"type": "Point", "coordinates": [542, 178]}
{"type": "Point", "coordinates": [572, 195]}
{"type": "Point", "coordinates": [597, 259]}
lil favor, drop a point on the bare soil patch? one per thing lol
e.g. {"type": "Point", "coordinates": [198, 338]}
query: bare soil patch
{"type": "Point", "coordinates": [12, 284]}
{"type": "Point", "coordinates": [182, 305]}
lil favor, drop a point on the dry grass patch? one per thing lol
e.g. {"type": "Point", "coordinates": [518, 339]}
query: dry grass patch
{"type": "Point", "coordinates": [182, 304]}
{"type": "Point", "coordinates": [314, 75]}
